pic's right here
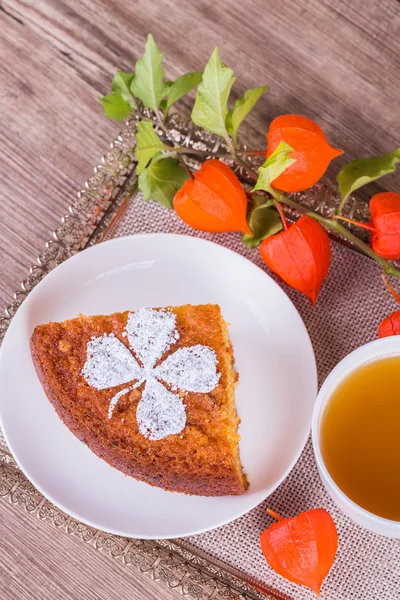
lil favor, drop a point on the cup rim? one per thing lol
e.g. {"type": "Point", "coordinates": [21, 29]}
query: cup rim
{"type": "Point", "coordinates": [370, 352]}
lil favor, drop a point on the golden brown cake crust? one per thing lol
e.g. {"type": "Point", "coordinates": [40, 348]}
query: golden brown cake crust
{"type": "Point", "coordinates": [201, 460]}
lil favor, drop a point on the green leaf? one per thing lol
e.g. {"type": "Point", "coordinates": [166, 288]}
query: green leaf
{"type": "Point", "coordinates": [115, 107]}
{"type": "Point", "coordinates": [364, 170]}
{"type": "Point", "coordinates": [242, 108]}
{"type": "Point", "coordinates": [148, 84]}
{"type": "Point", "coordinates": [211, 105]}
{"type": "Point", "coordinates": [148, 144]}
{"type": "Point", "coordinates": [264, 221]}
{"type": "Point", "coordinates": [274, 166]}
{"type": "Point", "coordinates": [182, 86]}
{"type": "Point", "coordinates": [161, 180]}
{"type": "Point", "coordinates": [259, 199]}
{"type": "Point", "coordinates": [122, 84]}
{"type": "Point", "coordinates": [163, 103]}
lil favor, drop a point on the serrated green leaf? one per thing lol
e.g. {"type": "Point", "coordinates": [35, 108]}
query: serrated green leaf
{"type": "Point", "coordinates": [115, 107]}
{"type": "Point", "coordinates": [364, 170]}
{"type": "Point", "coordinates": [274, 166]}
{"type": "Point", "coordinates": [122, 84]}
{"type": "Point", "coordinates": [211, 105]}
{"type": "Point", "coordinates": [242, 108]}
{"type": "Point", "coordinates": [161, 180]}
{"type": "Point", "coordinates": [148, 84]}
{"type": "Point", "coordinates": [182, 86]}
{"type": "Point", "coordinates": [148, 144]}
{"type": "Point", "coordinates": [264, 221]}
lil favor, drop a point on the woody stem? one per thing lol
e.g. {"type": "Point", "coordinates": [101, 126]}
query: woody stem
{"type": "Point", "coordinates": [254, 152]}
{"type": "Point", "coordinates": [341, 205]}
{"type": "Point", "coordinates": [281, 214]}
{"type": "Point", "coordinates": [395, 295]}
{"type": "Point", "coordinates": [232, 155]}
{"type": "Point", "coordinates": [204, 153]}
{"type": "Point", "coordinates": [249, 170]}
{"type": "Point", "coordinates": [353, 222]}
{"type": "Point", "coordinates": [175, 145]}
{"type": "Point", "coordinates": [334, 226]}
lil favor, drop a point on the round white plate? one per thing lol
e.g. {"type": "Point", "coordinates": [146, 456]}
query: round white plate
{"type": "Point", "coordinates": [275, 396]}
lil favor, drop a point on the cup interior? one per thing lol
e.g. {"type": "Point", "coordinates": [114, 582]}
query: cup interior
{"type": "Point", "coordinates": [376, 350]}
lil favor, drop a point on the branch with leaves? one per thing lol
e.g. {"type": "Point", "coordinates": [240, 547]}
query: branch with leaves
{"type": "Point", "coordinates": [213, 198]}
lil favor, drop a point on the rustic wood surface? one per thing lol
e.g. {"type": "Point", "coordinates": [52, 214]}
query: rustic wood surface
{"type": "Point", "coordinates": [336, 61]}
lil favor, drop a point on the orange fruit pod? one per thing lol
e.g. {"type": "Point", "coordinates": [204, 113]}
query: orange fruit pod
{"type": "Point", "coordinates": [300, 256]}
{"type": "Point", "coordinates": [391, 324]}
{"type": "Point", "coordinates": [385, 218]}
{"type": "Point", "coordinates": [311, 151]}
{"type": "Point", "coordinates": [384, 224]}
{"type": "Point", "coordinates": [301, 549]}
{"type": "Point", "coordinates": [214, 200]}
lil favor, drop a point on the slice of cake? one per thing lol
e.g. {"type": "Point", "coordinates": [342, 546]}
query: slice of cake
{"type": "Point", "coordinates": [150, 392]}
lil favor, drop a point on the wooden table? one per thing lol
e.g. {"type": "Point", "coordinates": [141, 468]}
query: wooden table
{"type": "Point", "coordinates": [336, 61]}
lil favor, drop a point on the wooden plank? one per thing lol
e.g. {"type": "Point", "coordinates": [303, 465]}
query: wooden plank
{"type": "Point", "coordinates": [337, 62]}
{"type": "Point", "coordinates": [37, 561]}
{"type": "Point", "coordinates": [331, 61]}
{"type": "Point", "coordinates": [49, 143]}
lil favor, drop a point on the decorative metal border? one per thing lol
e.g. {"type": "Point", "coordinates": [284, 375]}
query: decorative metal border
{"type": "Point", "coordinates": [174, 563]}
{"type": "Point", "coordinates": [99, 207]}
{"type": "Point", "coordinates": [102, 203]}
{"type": "Point", "coordinates": [87, 217]}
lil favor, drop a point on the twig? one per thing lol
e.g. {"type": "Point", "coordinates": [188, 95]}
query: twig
{"type": "Point", "coordinates": [250, 171]}
{"type": "Point", "coordinates": [175, 145]}
{"type": "Point", "coordinates": [204, 153]}
{"type": "Point", "coordinates": [334, 226]}
{"type": "Point", "coordinates": [254, 152]}
{"type": "Point", "coordinates": [281, 214]}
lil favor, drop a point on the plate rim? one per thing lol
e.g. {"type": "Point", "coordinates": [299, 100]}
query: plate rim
{"type": "Point", "coordinates": [196, 240]}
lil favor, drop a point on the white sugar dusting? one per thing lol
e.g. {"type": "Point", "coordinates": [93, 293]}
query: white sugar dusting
{"type": "Point", "coordinates": [109, 363]}
{"type": "Point", "coordinates": [151, 333]}
{"type": "Point", "coordinates": [115, 399]}
{"type": "Point", "coordinates": [159, 413]}
{"type": "Point", "coordinates": [192, 369]}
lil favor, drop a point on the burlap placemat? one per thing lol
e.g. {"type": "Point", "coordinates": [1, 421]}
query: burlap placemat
{"type": "Point", "coordinates": [351, 304]}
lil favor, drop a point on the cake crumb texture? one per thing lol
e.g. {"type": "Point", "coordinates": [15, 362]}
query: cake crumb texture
{"type": "Point", "coordinates": [203, 459]}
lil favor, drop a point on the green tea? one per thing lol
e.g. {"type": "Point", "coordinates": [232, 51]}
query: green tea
{"type": "Point", "coordinates": [360, 437]}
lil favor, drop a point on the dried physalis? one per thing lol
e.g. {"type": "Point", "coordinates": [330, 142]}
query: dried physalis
{"type": "Point", "coordinates": [391, 324]}
{"type": "Point", "coordinates": [300, 256]}
{"type": "Point", "coordinates": [303, 548]}
{"type": "Point", "coordinates": [311, 151]}
{"type": "Point", "coordinates": [214, 200]}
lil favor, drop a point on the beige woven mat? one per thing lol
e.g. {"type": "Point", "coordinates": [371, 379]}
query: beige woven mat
{"type": "Point", "coordinates": [351, 304]}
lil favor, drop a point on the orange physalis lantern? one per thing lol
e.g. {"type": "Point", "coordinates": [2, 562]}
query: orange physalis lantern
{"type": "Point", "coordinates": [214, 200]}
{"type": "Point", "coordinates": [300, 256]}
{"type": "Point", "coordinates": [312, 151]}
{"type": "Point", "coordinates": [303, 548]}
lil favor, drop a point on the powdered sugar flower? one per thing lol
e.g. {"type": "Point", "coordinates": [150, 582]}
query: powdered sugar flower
{"type": "Point", "coordinates": [150, 334]}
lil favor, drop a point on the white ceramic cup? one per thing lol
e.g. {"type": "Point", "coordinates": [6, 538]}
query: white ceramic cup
{"type": "Point", "coordinates": [389, 346]}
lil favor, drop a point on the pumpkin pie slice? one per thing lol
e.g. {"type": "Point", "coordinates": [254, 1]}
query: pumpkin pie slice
{"type": "Point", "coordinates": [150, 392]}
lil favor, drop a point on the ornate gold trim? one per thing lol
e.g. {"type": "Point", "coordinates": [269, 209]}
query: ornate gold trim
{"type": "Point", "coordinates": [171, 562]}
{"type": "Point", "coordinates": [99, 207]}
{"type": "Point", "coordinates": [113, 181]}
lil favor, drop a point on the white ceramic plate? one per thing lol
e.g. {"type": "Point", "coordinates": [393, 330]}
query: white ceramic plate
{"type": "Point", "coordinates": [275, 396]}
